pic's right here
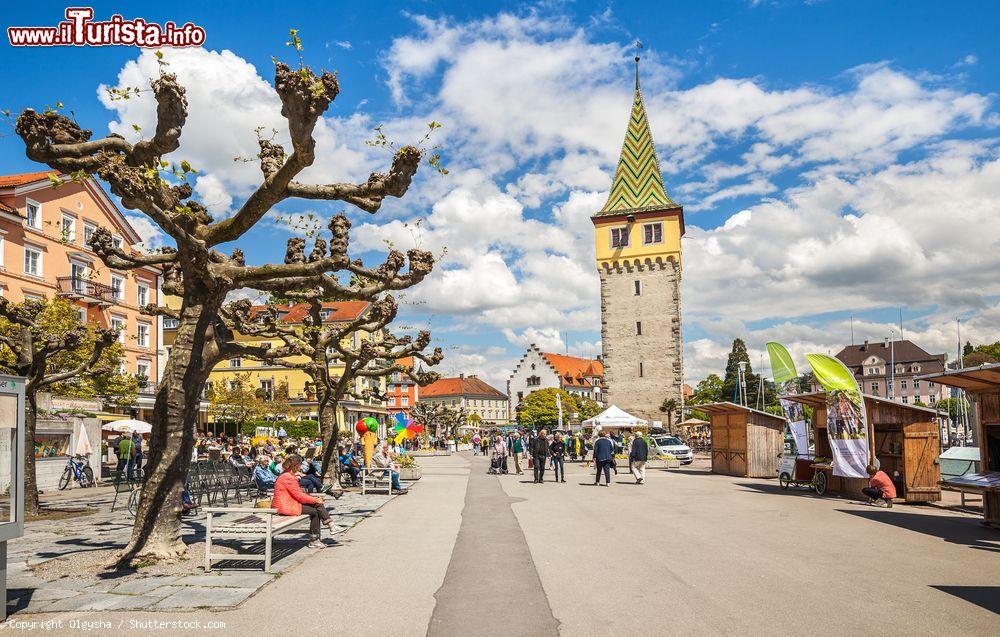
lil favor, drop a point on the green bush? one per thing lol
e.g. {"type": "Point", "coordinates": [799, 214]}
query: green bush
{"type": "Point", "coordinates": [294, 428]}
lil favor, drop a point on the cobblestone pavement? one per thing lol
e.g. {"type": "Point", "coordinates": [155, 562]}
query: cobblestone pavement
{"type": "Point", "coordinates": [229, 583]}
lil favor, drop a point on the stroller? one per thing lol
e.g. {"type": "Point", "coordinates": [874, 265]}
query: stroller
{"type": "Point", "coordinates": [498, 464]}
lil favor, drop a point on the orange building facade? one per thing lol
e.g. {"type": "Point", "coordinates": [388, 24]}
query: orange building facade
{"type": "Point", "coordinates": [44, 253]}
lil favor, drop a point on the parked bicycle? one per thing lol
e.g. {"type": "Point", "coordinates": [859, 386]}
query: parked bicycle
{"type": "Point", "coordinates": [77, 468]}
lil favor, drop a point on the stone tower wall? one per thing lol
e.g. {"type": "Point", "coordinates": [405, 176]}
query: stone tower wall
{"type": "Point", "coordinates": [658, 348]}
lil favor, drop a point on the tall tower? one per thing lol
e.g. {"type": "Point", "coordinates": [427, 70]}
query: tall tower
{"type": "Point", "coordinates": [638, 235]}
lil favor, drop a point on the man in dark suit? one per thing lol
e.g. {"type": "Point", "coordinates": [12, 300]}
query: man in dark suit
{"type": "Point", "coordinates": [604, 455]}
{"type": "Point", "coordinates": [539, 449]}
{"type": "Point", "coordinates": [637, 457]}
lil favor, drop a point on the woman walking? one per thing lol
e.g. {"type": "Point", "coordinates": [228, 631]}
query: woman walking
{"type": "Point", "coordinates": [558, 451]}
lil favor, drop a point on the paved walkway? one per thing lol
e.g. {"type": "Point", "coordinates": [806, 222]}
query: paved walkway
{"type": "Point", "coordinates": [688, 553]}
{"type": "Point", "coordinates": [491, 568]}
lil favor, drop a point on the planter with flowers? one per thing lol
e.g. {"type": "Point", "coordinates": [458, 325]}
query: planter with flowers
{"type": "Point", "coordinates": [408, 468]}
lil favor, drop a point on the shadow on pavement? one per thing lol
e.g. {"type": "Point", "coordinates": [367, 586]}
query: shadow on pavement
{"type": "Point", "coordinates": [951, 529]}
{"type": "Point", "coordinates": [775, 489]}
{"type": "Point", "coordinates": [987, 597]}
{"type": "Point", "coordinates": [18, 599]}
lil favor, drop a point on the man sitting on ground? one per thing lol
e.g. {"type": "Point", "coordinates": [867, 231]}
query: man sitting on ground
{"type": "Point", "coordinates": [880, 487]}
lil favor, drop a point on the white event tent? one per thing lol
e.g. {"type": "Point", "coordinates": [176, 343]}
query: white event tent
{"type": "Point", "coordinates": [614, 418]}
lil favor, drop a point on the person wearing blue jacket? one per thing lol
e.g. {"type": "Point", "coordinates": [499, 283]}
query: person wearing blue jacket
{"type": "Point", "coordinates": [604, 455]}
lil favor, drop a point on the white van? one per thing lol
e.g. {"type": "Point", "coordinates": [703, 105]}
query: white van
{"type": "Point", "coordinates": [672, 445]}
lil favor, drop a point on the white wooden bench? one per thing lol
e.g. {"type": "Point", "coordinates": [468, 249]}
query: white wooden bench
{"type": "Point", "coordinates": [371, 474]}
{"type": "Point", "coordinates": [256, 524]}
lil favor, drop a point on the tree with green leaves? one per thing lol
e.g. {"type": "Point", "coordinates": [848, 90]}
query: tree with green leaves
{"type": "Point", "coordinates": [539, 408]}
{"type": "Point", "coordinates": [196, 269]}
{"type": "Point", "coordinates": [669, 407]}
{"type": "Point", "coordinates": [235, 400]}
{"type": "Point", "coordinates": [730, 389]}
{"type": "Point", "coordinates": [48, 344]}
{"type": "Point", "coordinates": [708, 390]}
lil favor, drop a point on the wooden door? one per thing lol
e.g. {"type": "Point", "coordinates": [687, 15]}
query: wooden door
{"type": "Point", "coordinates": [920, 471]}
{"type": "Point", "coordinates": [720, 444]}
{"type": "Point", "coordinates": [737, 445]}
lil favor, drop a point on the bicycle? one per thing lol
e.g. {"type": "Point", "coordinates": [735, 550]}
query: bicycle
{"type": "Point", "coordinates": [77, 468]}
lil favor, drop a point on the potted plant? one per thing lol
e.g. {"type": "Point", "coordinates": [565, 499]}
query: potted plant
{"type": "Point", "coordinates": [408, 468]}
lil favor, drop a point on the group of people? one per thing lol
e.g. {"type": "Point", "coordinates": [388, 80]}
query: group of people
{"type": "Point", "coordinates": [128, 450]}
{"type": "Point", "coordinates": [546, 449]}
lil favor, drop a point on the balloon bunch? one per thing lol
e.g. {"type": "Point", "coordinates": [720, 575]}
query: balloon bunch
{"type": "Point", "coordinates": [405, 428]}
{"type": "Point", "coordinates": [366, 424]}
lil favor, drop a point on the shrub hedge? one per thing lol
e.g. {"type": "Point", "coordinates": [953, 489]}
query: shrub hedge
{"type": "Point", "coordinates": [294, 428]}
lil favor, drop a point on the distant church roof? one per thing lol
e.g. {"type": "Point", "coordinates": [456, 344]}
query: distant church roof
{"type": "Point", "coordinates": [638, 184]}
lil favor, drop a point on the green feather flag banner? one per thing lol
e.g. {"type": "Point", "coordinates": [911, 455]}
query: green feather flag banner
{"type": "Point", "coordinates": [782, 365]}
{"type": "Point", "coordinates": [846, 421]}
{"type": "Point", "coordinates": [784, 374]}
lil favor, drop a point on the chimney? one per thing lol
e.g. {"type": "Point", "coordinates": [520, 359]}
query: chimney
{"type": "Point", "coordinates": [461, 376]}
{"type": "Point", "coordinates": [885, 345]}
{"type": "Point", "coordinates": [600, 359]}
{"type": "Point", "coordinates": [474, 376]}
{"type": "Point", "coordinates": [864, 348]}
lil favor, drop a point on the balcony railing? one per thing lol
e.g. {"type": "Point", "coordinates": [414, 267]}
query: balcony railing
{"type": "Point", "coordinates": [88, 291]}
{"type": "Point", "coordinates": [149, 389]}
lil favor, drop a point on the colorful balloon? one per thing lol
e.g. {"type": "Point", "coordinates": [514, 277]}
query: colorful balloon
{"type": "Point", "coordinates": [360, 426]}
{"type": "Point", "coordinates": [371, 424]}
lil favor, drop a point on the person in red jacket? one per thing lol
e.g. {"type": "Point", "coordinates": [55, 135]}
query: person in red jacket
{"type": "Point", "coordinates": [880, 487]}
{"type": "Point", "coordinates": [290, 499]}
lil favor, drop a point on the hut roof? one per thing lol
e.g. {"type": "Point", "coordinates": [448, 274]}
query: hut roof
{"type": "Point", "coordinates": [984, 377]}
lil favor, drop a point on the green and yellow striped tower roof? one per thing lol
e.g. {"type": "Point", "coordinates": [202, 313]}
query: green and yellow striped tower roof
{"type": "Point", "coordinates": [638, 184]}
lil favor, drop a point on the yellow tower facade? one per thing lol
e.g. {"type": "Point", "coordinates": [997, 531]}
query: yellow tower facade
{"type": "Point", "coordinates": [638, 247]}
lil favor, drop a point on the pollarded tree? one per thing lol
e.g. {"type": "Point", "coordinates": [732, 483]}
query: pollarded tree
{"type": "Point", "coordinates": [201, 275]}
{"type": "Point", "coordinates": [376, 353]}
{"type": "Point", "coordinates": [48, 344]}
{"type": "Point", "coordinates": [235, 401]}
{"type": "Point", "coordinates": [430, 416]}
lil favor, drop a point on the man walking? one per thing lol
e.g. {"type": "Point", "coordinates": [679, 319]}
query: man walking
{"type": "Point", "coordinates": [637, 457]}
{"type": "Point", "coordinates": [516, 449]}
{"type": "Point", "coordinates": [539, 450]}
{"type": "Point", "coordinates": [604, 454]}
{"type": "Point", "coordinates": [558, 451]}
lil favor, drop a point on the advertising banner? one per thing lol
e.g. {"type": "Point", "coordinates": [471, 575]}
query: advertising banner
{"type": "Point", "coordinates": [846, 421]}
{"type": "Point", "coordinates": [784, 375]}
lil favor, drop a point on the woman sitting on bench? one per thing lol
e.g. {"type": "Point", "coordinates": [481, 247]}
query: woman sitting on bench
{"type": "Point", "coordinates": [290, 499]}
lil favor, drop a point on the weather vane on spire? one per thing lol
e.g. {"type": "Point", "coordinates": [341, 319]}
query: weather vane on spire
{"type": "Point", "coordinates": [638, 46]}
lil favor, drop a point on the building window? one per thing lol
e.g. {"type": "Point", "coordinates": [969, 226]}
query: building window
{"type": "Point", "coordinates": [534, 381]}
{"type": "Point", "coordinates": [118, 287]}
{"type": "Point", "coordinates": [906, 399]}
{"type": "Point", "coordinates": [170, 323]}
{"type": "Point", "coordinates": [638, 288]}
{"type": "Point", "coordinates": [640, 369]}
{"type": "Point", "coordinates": [82, 312]}
{"type": "Point", "coordinates": [406, 401]}
{"type": "Point", "coordinates": [142, 294]}
{"type": "Point", "coordinates": [914, 368]}
{"type": "Point", "coordinates": [638, 328]}
{"type": "Point", "coordinates": [902, 383]}
{"type": "Point", "coordinates": [33, 212]}
{"type": "Point", "coordinates": [142, 335]}
{"type": "Point", "coordinates": [88, 232]}
{"type": "Point", "coordinates": [916, 384]}
{"type": "Point", "coordinates": [235, 362]}
{"type": "Point", "coordinates": [119, 324]}
{"type": "Point", "coordinates": [116, 241]}
{"type": "Point", "coordinates": [67, 228]}
{"type": "Point", "coordinates": [875, 388]}
{"type": "Point", "coordinates": [142, 369]}
{"type": "Point", "coordinates": [520, 396]}
{"type": "Point", "coordinates": [619, 237]}
{"type": "Point", "coordinates": [32, 261]}
{"type": "Point", "coordinates": [931, 399]}
{"type": "Point", "coordinates": [652, 233]}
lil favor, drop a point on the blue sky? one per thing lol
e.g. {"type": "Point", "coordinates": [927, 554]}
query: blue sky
{"type": "Point", "coordinates": [834, 159]}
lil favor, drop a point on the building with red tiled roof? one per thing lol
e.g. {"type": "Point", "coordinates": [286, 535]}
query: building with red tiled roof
{"type": "Point", "coordinates": [402, 392]}
{"type": "Point", "coordinates": [472, 394]}
{"type": "Point", "coordinates": [536, 370]}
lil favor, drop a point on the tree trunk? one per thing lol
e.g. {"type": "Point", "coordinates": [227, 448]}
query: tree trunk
{"type": "Point", "coordinates": [329, 430]}
{"type": "Point", "coordinates": [157, 531]}
{"type": "Point", "coordinates": [30, 477]}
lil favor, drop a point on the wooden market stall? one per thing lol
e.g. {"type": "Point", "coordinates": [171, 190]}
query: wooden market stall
{"type": "Point", "coordinates": [745, 442]}
{"type": "Point", "coordinates": [906, 446]}
{"type": "Point", "coordinates": [982, 386]}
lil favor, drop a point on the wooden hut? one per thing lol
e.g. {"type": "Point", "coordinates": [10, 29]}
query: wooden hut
{"type": "Point", "coordinates": [745, 442]}
{"type": "Point", "coordinates": [982, 386]}
{"type": "Point", "coordinates": [906, 446]}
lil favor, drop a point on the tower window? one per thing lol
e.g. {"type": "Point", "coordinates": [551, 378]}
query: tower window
{"type": "Point", "coordinates": [640, 369]}
{"type": "Point", "coordinates": [638, 328]}
{"type": "Point", "coordinates": [652, 233]}
{"type": "Point", "coordinates": [619, 237]}
{"type": "Point", "coordinates": [638, 288]}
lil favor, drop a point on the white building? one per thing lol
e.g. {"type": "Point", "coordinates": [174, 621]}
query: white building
{"type": "Point", "coordinates": [540, 370]}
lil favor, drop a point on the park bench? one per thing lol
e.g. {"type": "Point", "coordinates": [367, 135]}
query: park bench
{"type": "Point", "coordinates": [256, 524]}
{"type": "Point", "coordinates": [376, 479]}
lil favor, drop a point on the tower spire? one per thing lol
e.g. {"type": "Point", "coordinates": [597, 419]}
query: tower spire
{"type": "Point", "coordinates": [638, 46]}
